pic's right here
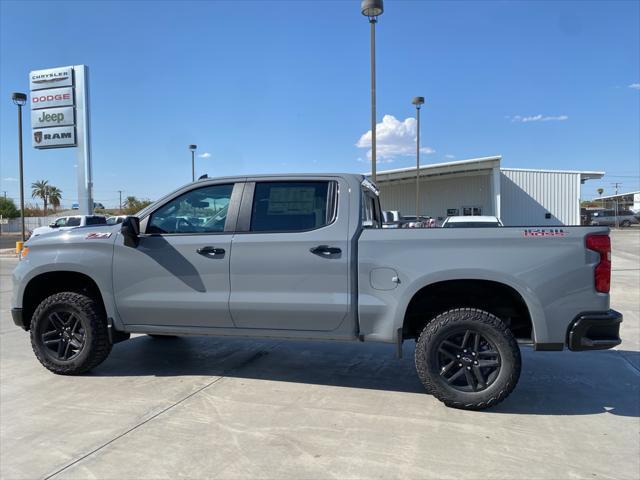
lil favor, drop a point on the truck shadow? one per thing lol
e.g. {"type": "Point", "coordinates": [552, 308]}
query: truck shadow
{"type": "Point", "coordinates": [552, 383]}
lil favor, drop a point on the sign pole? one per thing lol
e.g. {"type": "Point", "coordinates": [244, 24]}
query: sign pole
{"type": "Point", "coordinates": [84, 174]}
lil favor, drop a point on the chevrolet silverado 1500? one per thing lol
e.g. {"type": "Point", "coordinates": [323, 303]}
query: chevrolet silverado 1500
{"type": "Point", "coordinates": [304, 256]}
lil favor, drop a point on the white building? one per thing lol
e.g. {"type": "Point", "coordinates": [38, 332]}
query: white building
{"type": "Point", "coordinates": [481, 186]}
{"type": "Point", "coordinates": [622, 201]}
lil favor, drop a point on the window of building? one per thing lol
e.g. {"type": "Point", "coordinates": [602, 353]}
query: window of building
{"type": "Point", "coordinates": [471, 211]}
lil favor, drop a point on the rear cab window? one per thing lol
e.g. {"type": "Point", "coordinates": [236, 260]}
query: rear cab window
{"type": "Point", "coordinates": [370, 211]}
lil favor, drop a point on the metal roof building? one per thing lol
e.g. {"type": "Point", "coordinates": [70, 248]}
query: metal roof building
{"type": "Point", "coordinates": [480, 186]}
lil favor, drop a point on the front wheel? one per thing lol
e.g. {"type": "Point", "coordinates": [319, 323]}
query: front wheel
{"type": "Point", "coordinates": [468, 359]}
{"type": "Point", "coordinates": [69, 333]}
{"type": "Point", "coordinates": [625, 223]}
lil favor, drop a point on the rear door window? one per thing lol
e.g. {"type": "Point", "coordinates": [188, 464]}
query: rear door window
{"type": "Point", "coordinates": [73, 222]}
{"type": "Point", "coordinates": [291, 206]}
{"type": "Point", "coordinates": [96, 220]}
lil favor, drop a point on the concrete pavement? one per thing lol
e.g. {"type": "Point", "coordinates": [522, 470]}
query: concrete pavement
{"type": "Point", "coordinates": [202, 407]}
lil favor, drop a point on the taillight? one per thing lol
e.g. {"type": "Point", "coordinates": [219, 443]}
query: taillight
{"type": "Point", "coordinates": [602, 274]}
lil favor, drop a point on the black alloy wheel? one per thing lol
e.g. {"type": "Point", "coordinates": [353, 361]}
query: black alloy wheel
{"type": "Point", "coordinates": [63, 335]}
{"type": "Point", "coordinates": [468, 361]}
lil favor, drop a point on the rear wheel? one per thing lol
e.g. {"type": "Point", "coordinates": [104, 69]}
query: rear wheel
{"type": "Point", "coordinates": [625, 223]}
{"type": "Point", "coordinates": [69, 333]}
{"type": "Point", "coordinates": [468, 359]}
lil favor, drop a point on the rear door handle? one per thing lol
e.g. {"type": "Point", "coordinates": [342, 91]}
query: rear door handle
{"type": "Point", "coordinates": [210, 251]}
{"type": "Point", "coordinates": [325, 251]}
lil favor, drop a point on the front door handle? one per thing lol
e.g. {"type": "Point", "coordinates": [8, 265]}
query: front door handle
{"type": "Point", "coordinates": [325, 251]}
{"type": "Point", "coordinates": [210, 251]}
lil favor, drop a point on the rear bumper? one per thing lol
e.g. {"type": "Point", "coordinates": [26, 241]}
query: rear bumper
{"type": "Point", "coordinates": [595, 331]}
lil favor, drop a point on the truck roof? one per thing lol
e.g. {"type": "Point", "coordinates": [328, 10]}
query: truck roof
{"type": "Point", "coordinates": [354, 176]}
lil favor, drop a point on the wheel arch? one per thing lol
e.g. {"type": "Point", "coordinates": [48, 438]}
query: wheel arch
{"type": "Point", "coordinates": [49, 283]}
{"type": "Point", "coordinates": [500, 298]}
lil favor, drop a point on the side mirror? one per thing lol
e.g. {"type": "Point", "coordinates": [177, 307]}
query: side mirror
{"type": "Point", "coordinates": [53, 225]}
{"type": "Point", "coordinates": [130, 230]}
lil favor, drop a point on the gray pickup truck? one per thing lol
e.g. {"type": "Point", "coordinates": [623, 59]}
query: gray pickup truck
{"type": "Point", "coordinates": [305, 257]}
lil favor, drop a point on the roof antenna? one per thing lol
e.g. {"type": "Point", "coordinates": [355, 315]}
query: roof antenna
{"type": "Point", "coordinates": [202, 177]}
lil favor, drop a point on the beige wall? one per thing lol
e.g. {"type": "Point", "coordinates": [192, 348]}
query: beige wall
{"type": "Point", "coordinates": [438, 194]}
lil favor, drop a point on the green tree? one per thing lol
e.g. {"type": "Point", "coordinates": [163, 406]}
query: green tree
{"type": "Point", "coordinates": [8, 209]}
{"type": "Point", "coordinates": [40, 189]}
{"type": "Point", "coordinates": [132, 205]}
{"type": "Point", "coordinates": [55, 195]}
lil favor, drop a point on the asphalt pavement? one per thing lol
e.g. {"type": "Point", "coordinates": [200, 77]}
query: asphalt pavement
{"type": "Point", "coordinates": [203, 407]}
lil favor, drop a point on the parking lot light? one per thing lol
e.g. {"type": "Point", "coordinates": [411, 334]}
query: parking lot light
{"type": "Point", "coordinates": [372, 9]}
{"type": "Point", "coordinates": [418, 102]}
{"type": "Point", "coordinates": [20, 99]}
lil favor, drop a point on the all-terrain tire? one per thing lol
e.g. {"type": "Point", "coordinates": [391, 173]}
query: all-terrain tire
{"type": "Point", "coordinates": [488, 326]}
{"type": "Point", "coordinates": [92, 323]}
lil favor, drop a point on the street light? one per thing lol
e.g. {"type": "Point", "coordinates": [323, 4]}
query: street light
{"type": "Point", "coordinates": [418, 102]}
{"type": "Point", "coordinates": [193, 162]}
{"type": "Point", "coordinates": [372, 9]}
{"type": "Point", "coordinates": [20, 99]}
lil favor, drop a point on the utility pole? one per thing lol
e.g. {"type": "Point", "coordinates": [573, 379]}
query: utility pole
{"type": "Point", "coordinates": [615, 201]}
{"type": "Point", "coordinates": [120, 208]}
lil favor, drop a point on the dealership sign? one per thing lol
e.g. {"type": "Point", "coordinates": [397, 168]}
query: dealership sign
{"type": "Point", "coordinates": [53, 117]}
{"type": "Point", "coordinates": [56, 97]}
{"type": "Point", "coordinates": [53, 105]}
{"type": "Point", "coordinates": [59, 102]}
{"type": "Point", "coordinates": [54, 137]}
{"type": "Point", "coordinates": [51, 78]}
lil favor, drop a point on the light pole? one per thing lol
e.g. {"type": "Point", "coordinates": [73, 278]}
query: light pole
{"type": "Point", "coordinates": [193, 162]}
{"type": "Point", "coordinates": [418, 102]}
{"type": "Point", "coordinates": [373, 9]}
{"type": "Point", "coordinates": [120, 208]}
{"type": "Point", "coordinates": [20, 99]}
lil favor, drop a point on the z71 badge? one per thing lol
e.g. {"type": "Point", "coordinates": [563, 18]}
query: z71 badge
{"type": "Point", "coordinates": [544, 232]}
{"type": "Point", "coordinates": [97, 235]}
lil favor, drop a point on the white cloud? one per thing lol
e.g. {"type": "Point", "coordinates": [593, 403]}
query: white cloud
{"type": "Point", "coordinates": [10, 179]}
{"type": "Point", "coordinates": [393, 139]}
{"type": "Point", "coordinates": [635, 86]}
{"type": "Point", "coordinates": [449, 156]}
{"type": "Point", "coordinates": [538, 118]}
{"type": "Point", "coordinates": [204, 155]}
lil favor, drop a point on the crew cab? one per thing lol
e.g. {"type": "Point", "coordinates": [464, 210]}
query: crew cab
{"type": "Point", "coordinates": [306, 257]}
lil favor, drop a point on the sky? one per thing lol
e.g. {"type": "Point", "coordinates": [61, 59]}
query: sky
{"type": "Point", "coordinates": [283, 86]}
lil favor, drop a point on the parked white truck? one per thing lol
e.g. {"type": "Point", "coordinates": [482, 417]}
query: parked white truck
{"type": "Point", "coordinates": [304, 256]}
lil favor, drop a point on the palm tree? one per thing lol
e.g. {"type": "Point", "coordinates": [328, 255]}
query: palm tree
{"type": "Point", "coordinates": [40, 189]}
{"type": "Point", "coordinates": [55, 195]}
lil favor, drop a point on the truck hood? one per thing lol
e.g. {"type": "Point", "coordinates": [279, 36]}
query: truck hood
{"type": "Point", "coordinates": [104, 233]}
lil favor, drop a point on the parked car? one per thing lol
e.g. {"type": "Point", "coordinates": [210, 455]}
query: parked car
{"type": "Point", "coordinates": [75, 206]}
{"type": "Point", "coordinates": [391, 219]}
{"type": "Point", "coordinates": [483, 221]}
{"type": "Point", "coordinates": [305, 256]}
{"type": "Point", "coordinates": [115, 219]}
{"type": "Point", "coordinates": [420, 222]}
{"type": "Point", "coordinates": [69, 222]}
{"type": "Point", "coordinates": [98, 205]}
{"type": "Point", "coordinates": [625, 218]}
